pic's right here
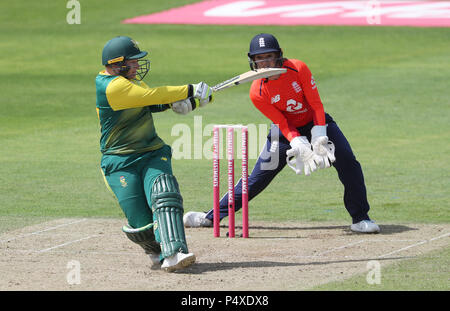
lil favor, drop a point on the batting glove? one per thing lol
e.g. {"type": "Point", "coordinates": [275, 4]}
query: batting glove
{"type": "Point", "coordinates": [185, 106]}
{"type": "Point", "coordinates": [305, 158]}
{"type": "Point", "coordinates": [203, 92]}
{"type": "Point", "coordinates": [322, 146]}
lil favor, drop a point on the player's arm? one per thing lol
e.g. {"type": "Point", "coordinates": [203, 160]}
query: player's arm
{"type": "Point", "coordinates": [300, 151]}
{"type": "Point", "coordinates": [322, 147]}
{"type": "Point", "coordinates": [159, 108]}
{"type": "Point", "coordinates": [309, 87]}
{"type": "Point", "coordinates": [123, 94]}
{"type": "Point", "coordinates": [300, 147]}
{"type": "Point", "coordinates": [275, 115]}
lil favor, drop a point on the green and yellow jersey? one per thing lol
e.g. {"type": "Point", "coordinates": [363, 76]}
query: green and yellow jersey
{"type": "Point", "coordinates": [125, 107]}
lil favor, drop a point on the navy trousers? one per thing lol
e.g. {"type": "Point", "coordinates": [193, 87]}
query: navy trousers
{"type": "Point", "coordinates": [273, 159]}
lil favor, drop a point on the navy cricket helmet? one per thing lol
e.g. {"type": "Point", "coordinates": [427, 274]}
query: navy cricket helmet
{"type": "Point", "coordinates": [263, 43]}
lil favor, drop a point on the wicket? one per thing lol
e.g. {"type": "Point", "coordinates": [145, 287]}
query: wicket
{"type": "Point", "coordinates": [216, 179]}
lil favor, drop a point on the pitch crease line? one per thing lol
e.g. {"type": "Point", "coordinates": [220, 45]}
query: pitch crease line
{"type": "Point", "coordinates": [64, 244]}
{"type": "Point", "coordinates": [416, 244]}
{"type": "Point", "coordinates": [341, 247]}
{"type": "Point", "coordinates": [40, 231]}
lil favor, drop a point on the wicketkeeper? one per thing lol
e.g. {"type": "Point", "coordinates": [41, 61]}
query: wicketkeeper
{"type": "Point", "coordinates": [302, 136]}
{"type": "Point", "coordinates": [136, 163]}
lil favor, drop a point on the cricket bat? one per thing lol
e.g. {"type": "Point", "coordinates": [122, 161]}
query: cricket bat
{"type": "Point", "coordinates": [248, 77]}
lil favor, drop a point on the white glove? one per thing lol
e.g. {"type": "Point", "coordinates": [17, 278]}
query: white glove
{"type": "Point", "coordinates": [322, 146]}
{"type": "Point", "coordinates": [203, 92]}
{"type": "Point", "coordinates": [305, 158]}
{"type": "Point", "coordinates": [185, 106]}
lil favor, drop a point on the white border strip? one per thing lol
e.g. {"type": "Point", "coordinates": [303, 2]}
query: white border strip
{"type": "Point", "coordinates": [40, 231]}
{"type": "Point", "coordinates": [64, 244]}
{"type": "Point", "coordinates": [417, 244]}
{"type": "Point", "coordinates": [341, 247]}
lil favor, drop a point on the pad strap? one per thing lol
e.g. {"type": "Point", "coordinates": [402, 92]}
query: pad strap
{"type": "Point", "coordinates": [144, 237]}
{"type": "Point", "coordinates": [167, 207]}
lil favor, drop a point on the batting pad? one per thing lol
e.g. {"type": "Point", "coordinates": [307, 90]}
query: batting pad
{"type": "Point", "coordinates": [167, 207]}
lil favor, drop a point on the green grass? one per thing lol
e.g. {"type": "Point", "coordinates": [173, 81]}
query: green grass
{"type": "Point", "coordinates": [387, 87]}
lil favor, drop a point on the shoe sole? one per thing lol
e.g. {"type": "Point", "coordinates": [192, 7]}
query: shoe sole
{"type": "Point", "coordinates": [186, 262]}
{"type": "Point", "coordinates": [361, 231]}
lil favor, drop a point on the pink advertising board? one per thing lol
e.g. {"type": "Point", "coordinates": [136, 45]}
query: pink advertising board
{"type": "Point", "coordinates": [290, 12]}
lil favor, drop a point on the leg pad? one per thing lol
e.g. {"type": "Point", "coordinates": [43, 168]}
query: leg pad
{"type": "Point", "coordinates": [167, 207]}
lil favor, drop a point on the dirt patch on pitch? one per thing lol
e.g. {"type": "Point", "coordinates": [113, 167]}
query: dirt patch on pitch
{"type": "Point", "coordinates": [277, 256]}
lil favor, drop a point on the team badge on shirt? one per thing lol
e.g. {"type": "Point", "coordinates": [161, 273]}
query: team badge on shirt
{"type": "Point", "coordinates": [313, 83]}
{"type": "Point", "coordinates": [123, 182]}
{"type": "Point", "coordinates": [275, 99]}
{"type": "Point", "coordinates": [297, 87]}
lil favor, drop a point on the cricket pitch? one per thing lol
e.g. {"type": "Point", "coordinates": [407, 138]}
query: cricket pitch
{"type": "Point", "coordinates": [277, 256]}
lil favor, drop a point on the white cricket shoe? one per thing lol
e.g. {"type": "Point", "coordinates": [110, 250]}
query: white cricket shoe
{"type": "Point", "coordinates": [196, 219]}
{"type": "Point", "coordinates": [178, 261]}
{"type": "Point", "coordinates": [365, 226]}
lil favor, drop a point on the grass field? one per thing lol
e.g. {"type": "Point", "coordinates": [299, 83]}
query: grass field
{"type": "Point", "coordinates": [386, 87]}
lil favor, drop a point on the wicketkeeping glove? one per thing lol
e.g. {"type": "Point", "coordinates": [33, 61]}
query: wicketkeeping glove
{"type": "Point", "coordinates": [322, 146]}
{"type": "Point", "coordinates": [185, 106]}
{"type": "Point", "coordinates": [305, 158]}
{"type": "Point", "coordinates": [203, 92]}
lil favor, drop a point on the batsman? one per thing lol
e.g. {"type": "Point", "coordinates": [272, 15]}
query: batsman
{"type": "Point", "coordinates": [136, 162]}
{"type": "Point", "coordinates": [302, 135]}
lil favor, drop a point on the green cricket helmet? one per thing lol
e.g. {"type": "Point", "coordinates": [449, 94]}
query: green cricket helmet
{"type": "Point", "coordinates": [122, 48]}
